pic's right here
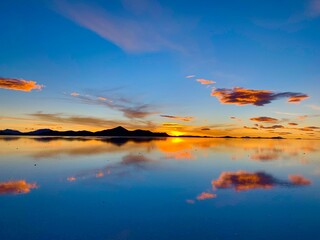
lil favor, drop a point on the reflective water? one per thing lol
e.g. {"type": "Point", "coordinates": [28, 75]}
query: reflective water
{"type": "Point", "coordinates": [175, 188]}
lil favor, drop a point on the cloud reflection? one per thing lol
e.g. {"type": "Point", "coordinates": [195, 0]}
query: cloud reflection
{"type": "Point", "coordinates": [243, 181]}
{"type": "Point", "coordinates": [16, 187]}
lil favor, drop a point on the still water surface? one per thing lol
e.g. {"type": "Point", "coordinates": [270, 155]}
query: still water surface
{"type": "Point", "coordinates": [174, 188]}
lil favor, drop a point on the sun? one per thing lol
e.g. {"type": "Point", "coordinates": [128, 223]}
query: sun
{"type": "Point", "coordinates": [176, 133]}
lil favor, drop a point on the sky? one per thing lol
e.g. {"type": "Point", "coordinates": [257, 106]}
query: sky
{"type": "Point", "coordinates": [185, 67]}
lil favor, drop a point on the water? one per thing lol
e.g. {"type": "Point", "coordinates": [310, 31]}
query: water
{"type": "Point", "coordinates": [175, 188]}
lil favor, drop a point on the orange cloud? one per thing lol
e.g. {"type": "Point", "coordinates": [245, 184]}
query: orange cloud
{"type": "Point", "coordinates": [16, 187]}
{"type": "Point", "coordinates": [242, 96]}
{"type": "Point", "coordinates": [293, 124]}
{"type": "Point", "coordinates": [186, 155]}
{"type": "Point", "coordinates": [299, 180]}
{"type": "Point", "coordinates": [184, 119]}
{"type": "Point", "coordinates": [99, 174]}
{"type": "Point", "coordinates": [265, 119]}
{"type": "Point", "coordinates": [19, 84]}
{"type": "Point", "coordinates": [242, 180]}
{"type": "Point", "coordinates": [308, 129]}
{"type": "Point", "coordinates": [71, 179]}
{"type": "Point", "coordinates": [206, 195]}
{"type": "Point", "coordinates": [297, 98]}
{"type": "Point", "coordinates": [205, 81]}
{"type": "Point", "coordinates": [253, 128]}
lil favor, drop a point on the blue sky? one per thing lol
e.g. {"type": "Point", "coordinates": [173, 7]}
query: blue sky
{"type": "Point", "coordinates": [135, 55]}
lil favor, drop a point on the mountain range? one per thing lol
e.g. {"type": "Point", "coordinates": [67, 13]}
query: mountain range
{"type": "Point", "coordinates": [118, 131]}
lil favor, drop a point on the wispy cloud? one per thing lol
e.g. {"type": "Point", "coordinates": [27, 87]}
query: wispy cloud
{"type": "Point", "coordinates": [313, 9]}
{"type": "Point", "coordinates": [180, 118]}
{"type": "Point", "coordinates": [129, 108]}
{"type": "Point", "coordinates": [19, 84]}
{"type": "Point", "coordinates": [265, 119]}
{"type": "Point", "coordinates": [314, 107]}
{"type": "Point", "coordinates": [206, 195]}
{"type": "Point", "coordinates": [143, 26]}
{"type": "Point", "coordinates": [271, 127]}
{"type": "Point", "coordinates": [205, 81]}
{"type": "Point", "coordinates": [242, 96]}
{"type": "Point", "coordinates": [236, 118]}
{"type": "Point", "coordinates": [74, 94]}
{"type": "Point", "coordinates": [190, 76]}
{"type": "Point", "coordinates": [86, 121]}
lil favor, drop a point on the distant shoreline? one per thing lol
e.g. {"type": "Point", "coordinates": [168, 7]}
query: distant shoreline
{"type": "Point", "coordinates": [121, 132]}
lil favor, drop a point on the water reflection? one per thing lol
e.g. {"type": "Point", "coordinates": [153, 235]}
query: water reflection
{"type": "Point", "coordinates": [172, 148]}
{"type": "Point", "coordinates": [243, 180]}
{"type": "Point", "coordinates": [121, 185]}
{"type": "Point", "coordinates": [16, 187]}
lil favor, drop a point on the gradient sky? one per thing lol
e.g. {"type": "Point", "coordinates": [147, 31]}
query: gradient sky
{"type": "Point", "coordinates": [184, 67]}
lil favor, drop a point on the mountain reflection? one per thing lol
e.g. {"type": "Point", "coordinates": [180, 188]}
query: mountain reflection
{"type": "Point", "coordinates": [16, 187]}
{"type": "Point", "coordinates": [170, 148]}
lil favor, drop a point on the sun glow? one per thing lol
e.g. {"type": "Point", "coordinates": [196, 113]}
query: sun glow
{"type": "Point", "coordinates": [176, 133]}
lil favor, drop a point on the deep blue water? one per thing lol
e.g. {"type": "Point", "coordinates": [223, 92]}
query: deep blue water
{"type": "Point", "coordinates": [175, 188]}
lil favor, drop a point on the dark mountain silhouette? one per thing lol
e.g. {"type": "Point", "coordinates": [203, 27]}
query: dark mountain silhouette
{"type": "Point", "coordinates": [118, 131]}
{"type": "Point", "coordinates": [10, 132]}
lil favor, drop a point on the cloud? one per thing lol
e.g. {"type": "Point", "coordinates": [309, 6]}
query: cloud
{"type": "Point", "coordinates": [16, 187]}
{"type": "Point", "coordinates": [142, 26]}
{"type": "Point", "coordinates": [242, 96]}
{"type": "Point", "coordinates": [86, 121]}
{"type": "Point", "coordinates": [190, 201]}
{"type": "Point", "coordinates": [74, 94]}
{"type": "Point", "coordinates": [298, 98]}
{"type": "Point", "coordinates": [134, 159]}
{"type": "Point", "coordinates": [184, 155]}
{"type": "Point", "coordinates": [205, 81]}
{"type": "Point", "coordinates": [264, 156]}
{"type": "Point", "coordinates": [265, 119]}
{"type": "Point", "coordinates": [71, 179]}
{"type": "Point", "coordinates": [253, 128]}
{"type": "Point", "coordinates": [129, 108]}
{"type": "Point", "coordinates": [292, 124]}
{"type": "Point", "coordinates": [19, 84]}
{"type": "Point", "coordinates": [308, 129]}
{"type": "Point", "coordinates": [206, 195]}
{"type": "Point", "coordinates": [314, 107]}
{"type": "Point", "coordinates": [299, 180]}
{"type": "Point", "coordinates": [313, 8]}
{"type": "Point", "coordinates": [190, 76]}
{"type": "Point", "coordinates": [272, 127]}
{"type": "Point", "coordinates": [243, 180]}
{"type": "Point", "coordinates": [184, 119]}
{"type": "Point", "coordinates": [235, 118]}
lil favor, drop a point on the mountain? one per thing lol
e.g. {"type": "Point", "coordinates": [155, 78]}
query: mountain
{"type": "Point", "coordinates": [9, 132]}
{"type": "Point", "coordinates": [118, 131]}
